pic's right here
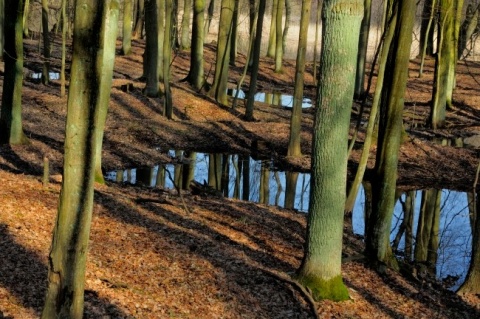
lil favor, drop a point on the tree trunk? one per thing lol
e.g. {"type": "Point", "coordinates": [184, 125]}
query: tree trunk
{"type": "Point", "coordinates": [2, 27]}
{"type": "Point", "coordinates": [127, 27]}
{"type": "Point", "coordinates": [208, 22]}
{"type": "Point", "coordinates": [320, 270]}
{"type": "Point", "coordinates": [286, 28]}
{"type": "Point", "coordinates": [279, 36]}
{"type": "Point", "coordinates": [187, 12]}
{"type": "Point", "coordinates": [246, 175]}
{"type": "Point", "coordinates": [219, 86]}
{"type": "Point", "coordinates": [46, 43]}
{"type": "Point", "coordinates": [140, 19]}
{"type": "Point", "coordinates": [152, 87]}
{"type": "Point", "coordinates": [472, 281]}
{"type": "Point", "coordinates": [196, 74]}
{"type": "Point", "coordinates": [362, 51]}
{"type": "Point", "coordinates": [167, 58]}
{"type": "Point", "coordinates": [255, 62]}
{"type": "Point", "coordinates": [291, 188]}
{"type": "Point", "coordinates": [426, 35]}
{"type": "Point", "coordinates": [64, 47]}
{"type": "Point", "coordinates": [389, 138]}
{"type": "Point", "coordinates": [234, 36]}
{"type": "Point", "coordinates": [468, 28]}
{"type": "Point", "coordinates": [294, 144]}
{"type": "Point", "coordinates": [315, 45]}
{"type": "Point", "coordinates": [11, 127]}
{"type": "Point", "coordinates": [273, 32]}
{"type": "Point", "coordinates": [94, 52]}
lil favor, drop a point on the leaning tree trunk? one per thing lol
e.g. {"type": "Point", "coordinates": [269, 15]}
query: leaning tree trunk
{"type": "Point", "coordinates": [294, 144]}
{"type": "Point", "coordinates": [390, 130]}
{"type": "Point", "coordinates": [11, 127]}
{"type": "Point", "coordinates": [219, 86]}
{"type": "Point", "coordinates": [93, 55]}
{"type": "Point", "coordinates": [320, 270]}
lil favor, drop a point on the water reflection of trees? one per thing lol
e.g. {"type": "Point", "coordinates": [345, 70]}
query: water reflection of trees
{"type": "Point", "coordinates": [431, 230]}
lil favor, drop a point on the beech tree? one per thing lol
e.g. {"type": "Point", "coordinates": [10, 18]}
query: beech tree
{"type": "Point", "coordinates": [93, 55]}
{"type": "Point", "coordinates": [11, 126]}
{"type": "Point", "coordinates": [127, 27]}
{"type": "Point", "coordinates": [196, 74]}
{"type": "Point", "coordinates": [320, 270]}
{"type": "Point", "coordinates": [390, 130]}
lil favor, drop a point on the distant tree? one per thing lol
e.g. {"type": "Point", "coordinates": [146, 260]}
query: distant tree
{"type": "Point", "coordinates": [208, 21]}
{"type": "Point", "coordinates": [196, 74]}
{"type": "Point", "coordinates": [272, 34]}
{"type": "Point", "coordinates": [46, 43]}
{"type": "Point", "coordinates": [279, 36]}
{"type": "Point", "coordinates": [93, 54]}
{"type": "Point", "coordinates": [151, 72]}
{"type": "Point", "coordinates": [255, 62]}
{"type": "Point", "coordinates": [320, 270]}
{"type": "Point", "coordinates": [167, 58]}
{"type": "Point", "coordinates": [187, 12]}
{"type": "Point", "coordinates": [286, 28]}
{"type": "Point", "coordinates": [64, 47]}
{"type": "Point", "coordinates": [139, 19]}
{"type": "Point", "coordinates": [234, 36]}
{"type": "Point", "coordinates": [446, 59]}
{"type": "Point", "coordinates": [294, 144]}
{"type": "Point", "coordinates": [426, 32]}
{"type": "Point", "coordinates": [11, 127]}
{"type": "Point", "coordinates": [219, 86]}
{"type": "Point", "coordinates": [468, 28]}
{"type": "Point", "coordinates": [390, 130]}
{"type": "Point", "coordinates": [127, 27]}
{"type": "Point", "coordinates": [362, 50]}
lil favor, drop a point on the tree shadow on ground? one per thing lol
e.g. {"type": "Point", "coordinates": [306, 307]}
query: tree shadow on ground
{"type": "Point", "coordinates": [24, 274]}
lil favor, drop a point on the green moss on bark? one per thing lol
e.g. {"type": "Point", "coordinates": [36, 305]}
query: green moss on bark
{"type": "Point", "coordinates": [331, 289]}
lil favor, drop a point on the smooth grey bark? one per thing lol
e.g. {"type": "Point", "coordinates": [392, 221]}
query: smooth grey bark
{"type": "Point", "coordinates": [92, 56]}
{"type": "Point", "coordinates": [185, 32]}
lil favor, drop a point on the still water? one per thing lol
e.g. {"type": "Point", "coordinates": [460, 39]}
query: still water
{"type": "Point", "coordinates": [455, 236]}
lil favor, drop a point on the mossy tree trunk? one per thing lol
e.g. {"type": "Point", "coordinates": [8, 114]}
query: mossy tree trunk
{"type": "Point", "coordinates": [219, 86]}
{"type": "Point", "coordinates": [93, 56]}
{"type": "Point", "coordinates": [446, 59]}
{"type": "Point", "coordinates": [252, 89]}
{"type": "Point", "coordinates": [320, 270]}
{"type": "Point", "coordinates": [11, 127]}
{"type": "Point", "coordinates": [187, 12]}
{"type": "Point", "coordinates": [294, 144]}
{"type": "Point", "coordinates": [390, 130]}
{"type": "Point", "coordinates": [196, 74]}
{"type": "Point", "coordinates": [127, 27]}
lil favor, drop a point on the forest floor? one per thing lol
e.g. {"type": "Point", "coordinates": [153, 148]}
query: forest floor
{"type": "Point", "coordinates": [154, 254]}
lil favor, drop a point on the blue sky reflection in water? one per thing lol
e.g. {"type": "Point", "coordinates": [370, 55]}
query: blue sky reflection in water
{"type": "Point", "coordinates": [455, 234]}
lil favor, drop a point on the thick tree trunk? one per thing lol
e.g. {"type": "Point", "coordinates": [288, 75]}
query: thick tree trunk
{"type": "Point", "coordinates": [272, 35]}
{"type": "Point", "coordinates": [291, 188]}
{"type": "Point", "coordinates": [320, 270]}
{"type": "Point", "coordinates": [11, 127]}
{"type": "Point", "coordinates": [93, 55]}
